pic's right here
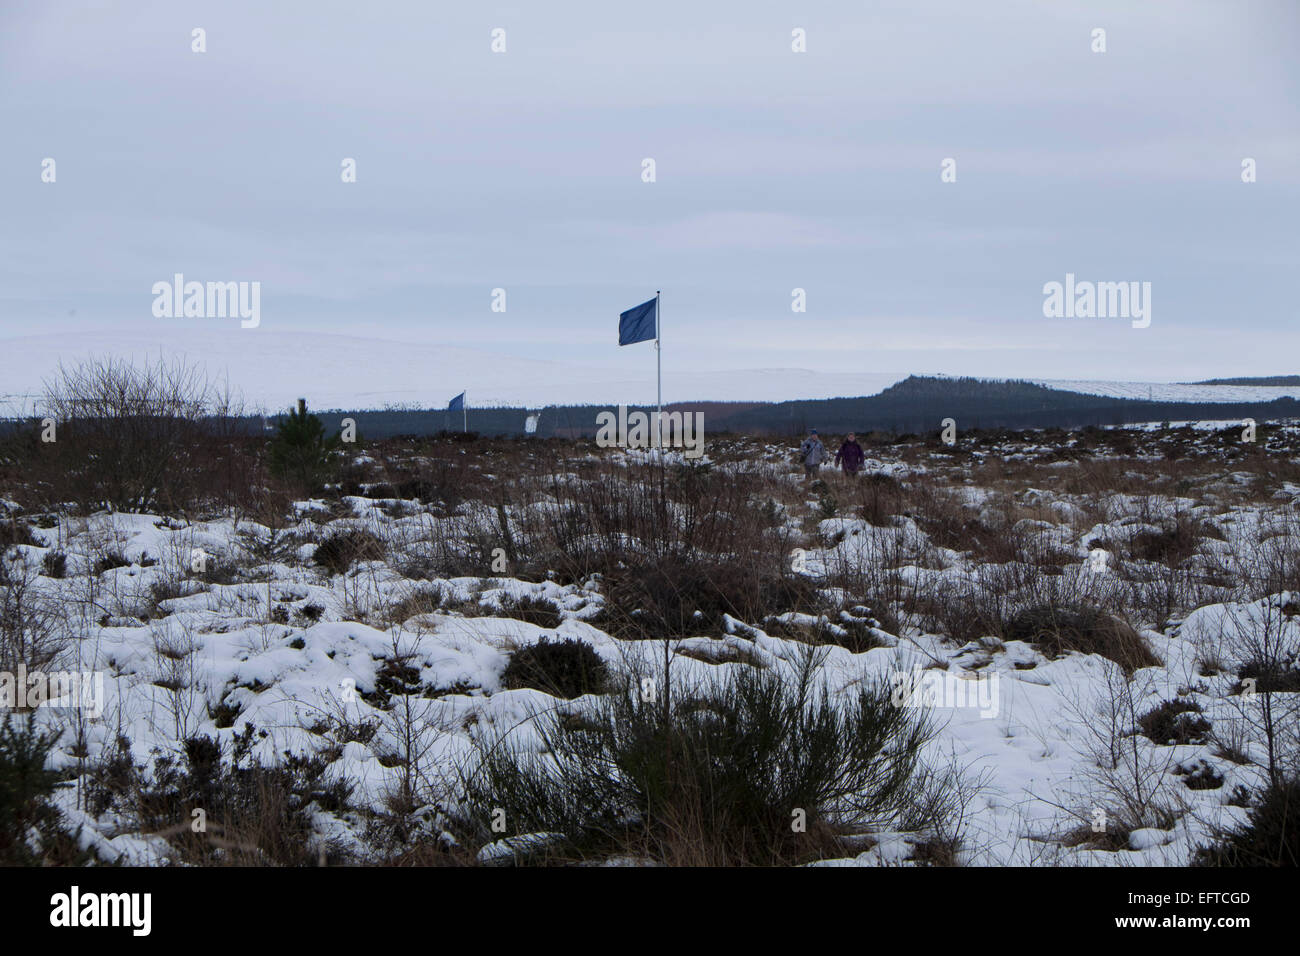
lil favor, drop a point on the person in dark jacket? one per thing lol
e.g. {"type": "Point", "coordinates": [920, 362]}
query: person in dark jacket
{"type": "Point", "coordinates": [850, 456]}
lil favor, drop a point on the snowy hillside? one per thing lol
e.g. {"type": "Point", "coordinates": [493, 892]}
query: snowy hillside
{"type": "Point", "coordinates": [1172, 391]}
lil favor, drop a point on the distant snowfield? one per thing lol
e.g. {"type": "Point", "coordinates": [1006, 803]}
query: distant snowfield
{"type": "Point", "coordinates": [273, 369]}
{"type": "Point", "coordinates": [1171, 392]}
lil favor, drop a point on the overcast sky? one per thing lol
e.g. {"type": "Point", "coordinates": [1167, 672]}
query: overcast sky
{"type": "Point", "coordinates": [775, 170]}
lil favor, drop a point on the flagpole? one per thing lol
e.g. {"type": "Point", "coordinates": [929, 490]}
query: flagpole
{"type": "Point", "coordinates": [659, 376]}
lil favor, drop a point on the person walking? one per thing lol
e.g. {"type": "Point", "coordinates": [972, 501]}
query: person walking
{"type": "Point", "coordinates": [850, 456]}
{"type": "Point", "coordinates": [812, 453]}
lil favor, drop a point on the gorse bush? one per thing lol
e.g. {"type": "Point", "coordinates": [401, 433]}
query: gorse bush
{"type": "Point", "coordinates": [1271, 836]}
{"type": "Point", "coordinates": [568, 669]}
{"type": "Point", "coordinates": [758, 767]}
{"type": "Point", "coordinates": [110, 561]}
{"type": "Point", "coordinates": [342, 549]}
{"type": "Point", "coordinates": [54, 564]}
{"type": "Point", "coordinates": [32, 831]}
{"type": "Point", "coordinates": [1276, 673]}
{"type": "Point", "coordinates": [1175, 722]}
{"type": "Point", "coordinates": [15, 531]}
{"type": "Point", "coordinates": [253, 814]}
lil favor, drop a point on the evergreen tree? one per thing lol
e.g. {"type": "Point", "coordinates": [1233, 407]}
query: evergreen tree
{"type": "Point", "coordinates": [300, 450]}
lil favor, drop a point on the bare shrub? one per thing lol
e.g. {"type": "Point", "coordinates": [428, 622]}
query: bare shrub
{"type": "Point", "coordinates": [1262, 640]}
{"type": "Point", "coordinates": [533, 609]}
{"type": "Point", "coordinates": [1127, 773]}
{"type": "Point", "coordinates": [157, 435]}
{"type": "Point", "coordinates": [1176, 540]}
{"type": "Point", "coordinates": [879, 497]}
{"type": "Point", "coordinates": [32, 627]}
{"type": "Point", "coordinates": [677, 548]}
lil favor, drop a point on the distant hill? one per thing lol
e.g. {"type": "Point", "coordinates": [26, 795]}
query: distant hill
{"type": "Point", "coordinates": [919, 404]}
{"type": "Point", "coordinates": [1274, 381]}
{"type": "Point", "coordinates": [915, 405]}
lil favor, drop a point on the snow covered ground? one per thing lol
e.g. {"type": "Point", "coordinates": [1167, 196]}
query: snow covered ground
{"type": "Point", "coordinates": [282, 645]}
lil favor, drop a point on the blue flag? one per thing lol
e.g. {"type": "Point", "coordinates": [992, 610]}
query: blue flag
{"type": "Point", "coordinates": [457, 403]}
{"type": "Point", "coordinates": [638, 324]}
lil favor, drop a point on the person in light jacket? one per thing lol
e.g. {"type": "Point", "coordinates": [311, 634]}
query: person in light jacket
{"type": "Point", "coordinates": [812, 453]}
{"type": "Point", "coordinates": [850, 456]}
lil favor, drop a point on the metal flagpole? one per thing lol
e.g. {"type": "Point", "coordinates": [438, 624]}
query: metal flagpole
{"type": "Point", "coordinates": [659, 375]}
